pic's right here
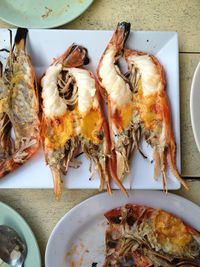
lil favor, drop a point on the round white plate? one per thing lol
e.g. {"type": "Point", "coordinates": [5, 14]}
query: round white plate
{"type": "Point", "coordinates": [195, 105]}
{"type": "Point", "coordinates": [78, 238]}
{"type": "Point", "coordinates": [10, 217]}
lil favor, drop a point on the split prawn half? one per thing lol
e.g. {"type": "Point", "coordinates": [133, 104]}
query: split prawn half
{"type": "Point", "coordinates": [152, 111]}
{"type": "Point", "coordinates": [117, 93]}
{"type": "Point", "coordinates": [137, 106]}
{"type": "Point", "coordinates": [19, 108]}
{"type": "Point", "coordinates": [72, 116]}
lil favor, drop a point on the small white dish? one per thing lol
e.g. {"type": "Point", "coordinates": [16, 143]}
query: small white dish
{"type": "Point", "coordinates": [78, 238]}
{"type": "Point", "coordinates": [195, 105]}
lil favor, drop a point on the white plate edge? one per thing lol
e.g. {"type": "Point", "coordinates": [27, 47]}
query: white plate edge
{"type": "Point", "coordinates": [197, 139]}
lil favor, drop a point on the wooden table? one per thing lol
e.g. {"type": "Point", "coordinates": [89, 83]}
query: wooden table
{"type": "Point", "coordinates": [39, 207]}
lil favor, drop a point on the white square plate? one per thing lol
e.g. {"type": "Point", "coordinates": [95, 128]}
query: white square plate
{"type": "Point", "coordinates": [43, 46]}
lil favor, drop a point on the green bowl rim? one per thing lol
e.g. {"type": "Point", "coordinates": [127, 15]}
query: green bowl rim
{"type": "Point", "coordinates": [4, 205]}
{"type": "Point", "coordinates": [49, 25]}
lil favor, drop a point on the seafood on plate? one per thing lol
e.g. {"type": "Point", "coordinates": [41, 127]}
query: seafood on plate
{"type": "Point", "coordinates": [117, 92]}
{"type": "Point", "coordinates": [140, 236]}
{"type": "Point", "coordinates": [151, 110]}
{"type": "Point", "coordinates": [19, 108]}
{"type": "Point", "coordinates": [72, 116]}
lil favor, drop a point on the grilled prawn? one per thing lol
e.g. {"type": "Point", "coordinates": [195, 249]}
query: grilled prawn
{"type": "Point", "coordinates": [18, 108]}
{"type": "Point", "coordinates": [118, 95]}
{"type": "Point", "coordinates": [151, 111]}
{"type": "Point", "coordinates": [72, 116]}
{"type": "Point", "coordinates": [145, 237]}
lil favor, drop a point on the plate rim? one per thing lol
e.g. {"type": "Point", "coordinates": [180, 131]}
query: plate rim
{"type": "Point", "coordinates": [21, 218]}
{"type": "Point", "coordinates": [99, 196]}
{"type": "Point", "coordinates": [197, 139]}
{"type": "Point", "coordinates": [49, 25]}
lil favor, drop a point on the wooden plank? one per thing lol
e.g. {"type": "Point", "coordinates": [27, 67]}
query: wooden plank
{"type": "Point", "coordinates": [182, 16]}
{"type": "Point", "coordinates": [4, 24]}
{"type": "Point", "coordinates": [190, 155]}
